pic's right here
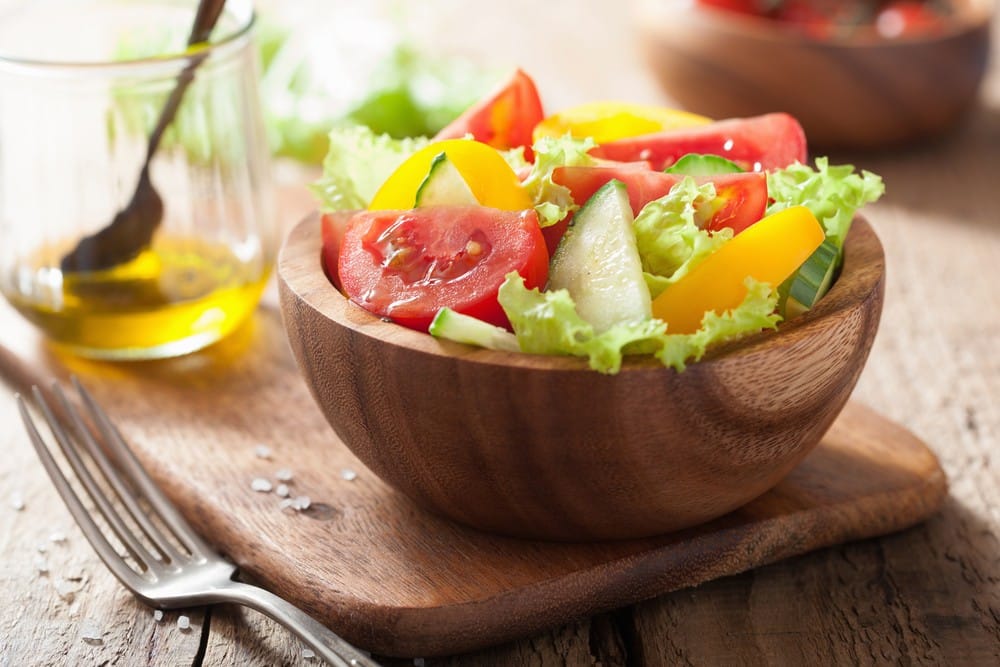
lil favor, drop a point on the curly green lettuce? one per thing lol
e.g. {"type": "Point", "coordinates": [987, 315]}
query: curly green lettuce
{"type": "Point", "coordinates": [356, 165]}
{"type": "Point", "coordinates": [669, 239]}
{"type": "Point", "coordinates": [553, 202]}
{"type": "Point", "coordinates": [832, 193]}
{"type": "Point", "coordinates": [547, 323]}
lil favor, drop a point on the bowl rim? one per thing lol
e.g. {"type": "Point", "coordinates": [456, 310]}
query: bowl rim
{"type": "Point", "coordinates": [860, 278]}
{"type": "Point", "coordinates": [971, 16]}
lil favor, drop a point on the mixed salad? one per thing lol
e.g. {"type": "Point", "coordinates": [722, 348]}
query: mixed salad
{"type": "Point", "coordinates": [890, 19]}
{"type": "Point", "coordinates": [604, 230]}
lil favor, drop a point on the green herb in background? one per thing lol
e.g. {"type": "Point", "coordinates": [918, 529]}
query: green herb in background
{"type": "Point", "coordinates": [206, 127]}
{"type": "Point", "coordinates": [407, 94]}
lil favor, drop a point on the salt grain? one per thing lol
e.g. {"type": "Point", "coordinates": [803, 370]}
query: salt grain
{"type": "Point", "coordinates": [41, 565]}
{"type": "Point", "coordinates": [42, 547]}
{"type": "Point", "coordinates": [283, 475]}
{"type": "Point", "coordinates": [65, 590]}
{"type": "Point", "coordinates": [184, 623]}
{"type": "Point", "coordinates": [91, 632]}
{"type": "Point", "coordinates": [308, 653]}
{"type": "Point", "coordinates": [57, 537]}
{"type": "Point", "coordinates": [298, 503]}
{"type": "Point", "coordinates": [348, 474]}
{"type": "Point", "coordinates": [262, 452]}
{"type": "Point", "coordinates": [282, 490]}
{"type": "Point", "coordinates": [260, 484]}
{"type": "Point", "coordinates": [158, 615]}
{"type": "Point", "coordinates": [17, 501]}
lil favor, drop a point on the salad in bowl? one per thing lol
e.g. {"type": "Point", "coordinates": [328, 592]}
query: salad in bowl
{"type": "Point", "coordinates": [604, 230]}
{"type": "Point", "coordinates": [483, 276]}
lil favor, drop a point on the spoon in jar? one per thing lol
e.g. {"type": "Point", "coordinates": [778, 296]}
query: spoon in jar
{"type": "Point", "coordinates": [132, 228]}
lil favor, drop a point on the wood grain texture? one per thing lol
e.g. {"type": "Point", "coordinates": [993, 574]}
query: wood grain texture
{"type": "Point", "coordinates": [543, 447]}
{"type": "Point", "coordinates": [53, 589]}
{"type": "Point", "coordinates": [927, 596]}
{"type": "Point", "coordinates": [401, 581]}
{"type": "Point", "coordinates": [862, 92]}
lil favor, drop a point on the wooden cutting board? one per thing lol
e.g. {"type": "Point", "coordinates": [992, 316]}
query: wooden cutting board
{"type": "Point", "coordinates": [398, 581]}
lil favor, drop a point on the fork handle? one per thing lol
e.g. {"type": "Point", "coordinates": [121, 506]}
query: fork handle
{"type": "Point", "coordinates": [321, 639]}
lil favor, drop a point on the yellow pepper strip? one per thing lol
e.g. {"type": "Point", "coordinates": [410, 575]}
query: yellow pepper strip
{"type": "Point", "coordinates": [492, 181]}
{"type": "Point", "coordinates": [770, 250]}
{"type": "Point", "coordinates": [609, 121]}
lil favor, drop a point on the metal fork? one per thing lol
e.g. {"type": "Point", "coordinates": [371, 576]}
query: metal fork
{"type": "Point", "coordinates": [172, 567]}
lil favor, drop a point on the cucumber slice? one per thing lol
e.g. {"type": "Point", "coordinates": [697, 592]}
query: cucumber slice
{"type": "Point", "coordinates": [471, 331]}
{"type": "Point", "coordinates": [696, 164]}
{"type": "Point", "coordinates": [598, 263]}
{"type": "Point", "coordinates": [444, 185]}
{"type": "Point", "coordinates": [813, 279]}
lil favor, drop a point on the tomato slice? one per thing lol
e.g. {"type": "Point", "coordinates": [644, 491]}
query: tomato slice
{"type": "Point", "coordinates": [503, 119]}
{"type": "Point", "coordinates": [758, 143]}
{"type": "Point", "coordinates": [487, 174]}
{"type": "Point", "coordinates": [608, 121]}
{"type": "Point", "coordinates": [740, 198]}
{"type": "Point", "coordinates": [332, 227]}
{"type": "Point", "coordinates": [407, 265]}
{"type": "Point", "coordinates": [643, 185]}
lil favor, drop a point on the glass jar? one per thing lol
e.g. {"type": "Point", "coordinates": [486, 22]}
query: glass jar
{"type": "Point", "coordinates": [82, 87]}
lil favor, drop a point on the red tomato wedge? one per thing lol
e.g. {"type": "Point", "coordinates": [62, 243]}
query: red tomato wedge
{"type": "Point", "coordinates": [643, 185]}
{"type": "Point", "coordinates": [407, 265]}
{"type": "Point", "coordinates": [332, 227]}
{"type": "Point", "coordinates": [503, 119]}
{"type": "Point", "coordinates": [740, 198]}
{"type": "Point", "coordinates": [553, 234]}
{"type": "Point", "coordinates": [758, 143]}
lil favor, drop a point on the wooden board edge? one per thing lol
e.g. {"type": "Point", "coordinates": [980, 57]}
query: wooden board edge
{"type": "Point", "coordinates": [453, 629]}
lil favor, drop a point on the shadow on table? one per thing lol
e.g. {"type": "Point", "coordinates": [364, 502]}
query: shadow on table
{"type": "Point", "coordinates": [954, 177]}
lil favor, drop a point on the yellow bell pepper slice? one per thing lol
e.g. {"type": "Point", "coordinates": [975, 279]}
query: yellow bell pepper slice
{"type": "Point", "coordinates": [770, 251]}
{"type": "Point", "coordinates": [492, 181]}
{"type": "Point", "coordinates": [609, 121]}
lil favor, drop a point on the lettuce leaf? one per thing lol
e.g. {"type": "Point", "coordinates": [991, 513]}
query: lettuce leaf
{"type": "Point", "coordinates": [668, 237]}
{"type": "Point", "coordinates": [755, 313]}
{"type": "Point", "coordinates": [547, 323]}
{"type": "Point", "coordinates": [553, 202]}
{"type": "Point", "coordinates": [356, 165]}
{"type": "Point", "coordinates": [832, 193]}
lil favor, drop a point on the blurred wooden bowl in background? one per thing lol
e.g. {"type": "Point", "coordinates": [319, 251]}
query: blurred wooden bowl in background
{"type": "Point", "coordinates": [855, 91]}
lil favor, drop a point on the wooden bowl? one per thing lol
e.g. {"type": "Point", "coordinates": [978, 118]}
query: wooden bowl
{"type": "Point", "coordinates": [544, 447]}
{"type": "Point", "coordinates": [858, 92]}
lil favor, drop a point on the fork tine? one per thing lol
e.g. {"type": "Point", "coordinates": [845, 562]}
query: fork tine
{"type": "Point", "coordinates": [163, 507]}
{"type": "Point", "coordinates": [91, 531]}
{"type": "Point", "coordinates": [125, 535]}
{"type": "Point", "coordinates": [114, 478]}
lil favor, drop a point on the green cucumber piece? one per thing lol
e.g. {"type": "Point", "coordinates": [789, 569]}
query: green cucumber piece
{"type": "Point", "coordinates": [444, 185]}
{"type": "Point", "coordinates": [696, 164]}
{"type": "Point", "coordinates": [813, 279]}
{"type": "Point", "coordinates": [598, 263]}
{"type": "Point", "coordinates": [466, 329]}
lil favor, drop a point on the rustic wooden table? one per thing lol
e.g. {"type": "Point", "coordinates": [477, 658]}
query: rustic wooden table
{"type": "Point", "coordinates": [929, 595]}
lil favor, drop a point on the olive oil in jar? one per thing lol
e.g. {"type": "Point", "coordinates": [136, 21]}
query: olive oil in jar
{"type": "Point", "coordinates": [177, 296]}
